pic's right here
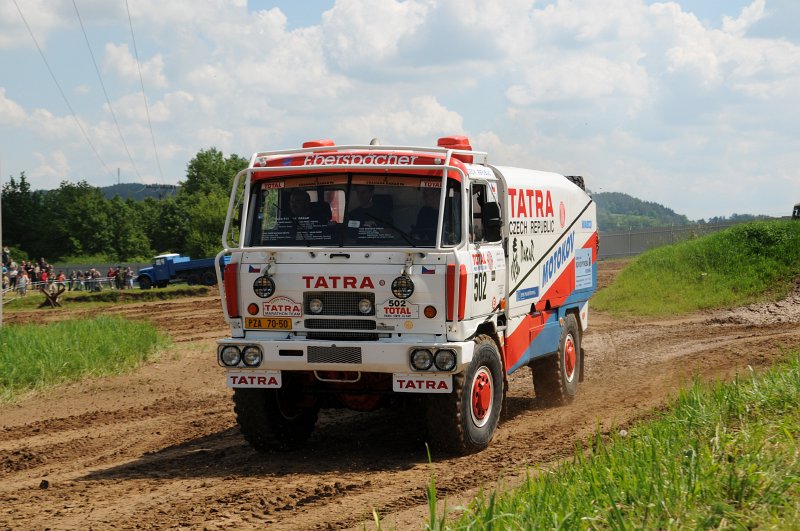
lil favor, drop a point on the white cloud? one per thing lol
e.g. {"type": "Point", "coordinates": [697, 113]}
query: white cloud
{"type": "Point", "coordinates": [749, 16]}
{"type": "Point", "coordinates": [53, 167]}
{"type": "Point", "coordinates": [120, 60]}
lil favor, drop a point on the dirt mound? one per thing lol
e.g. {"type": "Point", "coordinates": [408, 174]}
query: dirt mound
{"type": "Point", "coordinates": [160, 448]}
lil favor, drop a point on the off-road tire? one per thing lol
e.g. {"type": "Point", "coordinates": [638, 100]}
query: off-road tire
{"type": "Point", "coordinates": [465, 420]}
{"type": "Point", "coordinates": [267, 421]}
{"type": "Point", "coordinates": [145, 283]}
{"type": "Point", "coordinates": [556, 377]}
{"type": "Point", "coordinates": [209, 278]}
{"type": "Point", "coordinates": [578, 180]}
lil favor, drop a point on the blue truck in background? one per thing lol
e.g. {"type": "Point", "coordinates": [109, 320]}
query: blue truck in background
{"type": "Point", "coordinates": [172, 267]}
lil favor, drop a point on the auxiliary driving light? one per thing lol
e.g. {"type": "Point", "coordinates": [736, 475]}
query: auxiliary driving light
{"type": "Point", "coordinates": [251, 356]}
{"type": "Point", "coordinates": [365, 306]}
{"type": "Point", "coordinates": [264, 287]}
{"type": "Point", "coordinates": [430, 312]}
{"type": "Point", "coordinates": [445, 360]}
{"type": "Point", "coordinates": [402, 287]}
{"type": "Point", "coordinates": [315, 306]}
{"type": "Point", "coordinates": [421, 359]}
{"type": "Point", "coordinates": [230, 356]}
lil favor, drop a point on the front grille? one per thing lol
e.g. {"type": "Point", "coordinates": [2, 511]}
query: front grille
{"type": "Point", "coordinates": [339, 324]}
{"type": "Point", "coordinates": [334, 354]}
{"type": "Point", "coordinates": [343, 303]}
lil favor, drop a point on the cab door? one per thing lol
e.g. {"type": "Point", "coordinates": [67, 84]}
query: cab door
{"type": "Point", "coordinates": [487, 275]}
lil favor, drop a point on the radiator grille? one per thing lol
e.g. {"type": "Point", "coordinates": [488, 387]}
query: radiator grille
{"type": "Point", "coordinates": [343, 303]}
{"type": "Point", "coordinates": [334, 354]}
{"type": "Point", "coordinates": [340, 324]}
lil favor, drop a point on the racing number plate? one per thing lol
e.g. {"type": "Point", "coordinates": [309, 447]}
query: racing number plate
{"type": "Point", "coordinates": [268, 323]}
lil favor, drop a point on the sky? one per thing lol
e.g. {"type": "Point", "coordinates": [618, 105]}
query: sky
{"type": "Point", "coordinates": [691, 104]}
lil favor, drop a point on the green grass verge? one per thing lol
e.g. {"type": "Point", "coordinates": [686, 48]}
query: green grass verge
{"type": "Point", "coordinates": [36, 356]}
{"type": "Point", "coordinates": [85, 299]}
{"type": "Point", "coordinates": [722, 456]}
{"type": "Point", "coordinates": [743, 264]}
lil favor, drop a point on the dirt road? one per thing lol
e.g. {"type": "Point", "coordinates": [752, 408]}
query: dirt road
{"type": "Point", "coordinates": [160, 448]}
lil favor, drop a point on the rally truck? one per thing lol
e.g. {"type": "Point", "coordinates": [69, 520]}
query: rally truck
{"type": "Point", "coordinates": [363, 276]}
{"type": "Point", "coordinates": [172, 267]}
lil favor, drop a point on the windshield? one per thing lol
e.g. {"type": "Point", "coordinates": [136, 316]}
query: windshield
{"type": "Point", "coordinates": [353, 210]}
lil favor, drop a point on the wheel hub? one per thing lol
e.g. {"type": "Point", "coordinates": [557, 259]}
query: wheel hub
{"type": "Point", "coordinates": [481, 396]}
{"type": "Point", "coordinates": [570, 358]}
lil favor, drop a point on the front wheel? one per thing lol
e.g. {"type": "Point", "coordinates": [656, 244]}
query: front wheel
{"type": "Point", "coordinates": [145, 283]}
{"type": "Point", "coordinates": [555, 378]}
{"type": "Point", "coordinates": [273, 418]}
{"type": "Point", "coordinates": [465, 420]}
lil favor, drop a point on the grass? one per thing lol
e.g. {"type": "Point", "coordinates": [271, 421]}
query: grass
{"type": "Point", "coordinates": [743, 264]}
{"type": "Point", "coordinates": [34, 356]}
{"type": "Point", "coordinates": [85, 299]}
{"type": "Point", "coordinates": [724, 455]}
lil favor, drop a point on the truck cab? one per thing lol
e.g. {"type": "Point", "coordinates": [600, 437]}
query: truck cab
{"type": "Point", "coordinates": [366, 276]}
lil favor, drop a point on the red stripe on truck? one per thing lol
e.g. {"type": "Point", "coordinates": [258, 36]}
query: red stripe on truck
{"type": "Point", "coordinates": [231, 293]}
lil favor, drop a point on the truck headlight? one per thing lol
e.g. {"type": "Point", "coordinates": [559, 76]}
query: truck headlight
{"type": "Point", "coordinates": [230, 355]}
{"type": "Point", "coordinates": [402, 287]}
{"type": "Point", "coordinates": [365, 306]}
{"type": "Point", "coordinates": [251, 356]}
{"type": "Point", "coordinates": [445, 359]}
{"type": "Point", "coordinates": [421, 359]}
{"type": "Point", "coordinates": [264, 287]}
{"type": "Point", "coordinates": [315, 306]}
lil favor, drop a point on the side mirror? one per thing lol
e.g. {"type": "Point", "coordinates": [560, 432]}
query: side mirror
{"type": "Point", "coordinates": [492, 223]}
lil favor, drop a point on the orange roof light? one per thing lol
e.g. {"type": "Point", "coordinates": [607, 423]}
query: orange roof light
{"type": "Point", "coordinates": [318, 143]}
{"type": "Point", "coordinates": [457, 142]}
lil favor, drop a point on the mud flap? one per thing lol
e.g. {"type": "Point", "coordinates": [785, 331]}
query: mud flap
{"type": "Point", "coordinates": [583, 357]}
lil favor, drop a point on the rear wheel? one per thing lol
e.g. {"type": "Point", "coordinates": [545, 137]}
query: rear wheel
{"type": "Point", "coordinates": [209, 278]}
{"type": "Point", "coordinates": [555, 378]}
{"type": "Point", "coordinates": [273, 418]}
{"type": "Point", "coordinates": [465, 420]}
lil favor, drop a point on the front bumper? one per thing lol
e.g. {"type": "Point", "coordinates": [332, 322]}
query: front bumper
{"type": "Point", "coordinates": [355, 356]}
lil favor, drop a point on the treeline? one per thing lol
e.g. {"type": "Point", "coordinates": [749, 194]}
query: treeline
{"type": "Point", "coordinates": [617, 211]}
{"type": "Point", "coordinates": [76, 220]}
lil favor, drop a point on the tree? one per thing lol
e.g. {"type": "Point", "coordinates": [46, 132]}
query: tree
{"type": "Point", "coordinates": [209, 172]}
{"type": "Point", "coordinates": [21, 208]}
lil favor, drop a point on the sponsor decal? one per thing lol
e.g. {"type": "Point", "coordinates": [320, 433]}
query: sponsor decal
{"type": "Point", "coordinates": [338, 282]}
{"type": "Point", "coordinates": [282, 307]}
{"type": "Point", "coordinates": [527, 293]}
{"type": "Point", "coordinates": [562, 214]}
{"type": "Point", "coordinates": [253, 269]}
{"type": "Point", "coordinates": [586, 224]}
{"type": "Point", "coordinates": [559, 258]}
{"type": "Point", "coordinates": [527, 203]}
{"type": "Point", "coordinates": [255, 379]}
{"type": "Point", "coordinates": [357, 158]}
{"type": "Point", "coordinates": [520, 252]}
{"type": "Point", "coordinates": [583, 268]}
{"type": "Point", "coordinates": [398, 309]}
{"type": "Point", "coordinates": [430, 184]}
{"type": "Point", "coordinates": [271, 185]}
{"type": "Point", "coordinates": [426, 270]}
{"type": "Point", "coordinates": [422, 383]}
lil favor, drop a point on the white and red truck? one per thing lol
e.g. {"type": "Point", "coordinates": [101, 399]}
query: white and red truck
{"type": "Point", "coordinates": [362, 276]}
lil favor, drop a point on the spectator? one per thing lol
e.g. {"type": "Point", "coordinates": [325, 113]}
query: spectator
{"type": "Point", "coordinates": [12, 275]}
{"type": "Point", "coordinates": [129, 277]}
{"type": "Point", "coordinates": [60, 279]}
{"type": "Point", "coordinates": [22, 283]}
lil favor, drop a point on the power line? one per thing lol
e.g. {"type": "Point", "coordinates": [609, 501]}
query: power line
{"type": "Point", "coordinates": [110, 107]}
{"type": "Point", "coordinates": [71, 110]}
{"type": "Point", "coordinates": [144, 97]}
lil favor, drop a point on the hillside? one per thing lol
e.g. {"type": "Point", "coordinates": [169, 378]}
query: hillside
{"type": "Point", "coordinates": [137, 191]}
{"type": "Point", "coordinates": [617, 211]}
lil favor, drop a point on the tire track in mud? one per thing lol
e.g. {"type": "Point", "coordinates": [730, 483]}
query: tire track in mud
{"type": "Point", "coordinates": [175, 458]}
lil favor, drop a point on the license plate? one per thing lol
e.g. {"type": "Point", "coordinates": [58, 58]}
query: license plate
{"type": "Point", "coordinates": [268, 323]}
{"type": "Point", "coordinates": [422, 383]}
{"type": "Point", "coordinates": [254, 378]}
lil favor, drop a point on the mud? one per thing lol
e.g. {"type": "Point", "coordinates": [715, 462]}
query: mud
{"type": "Point", "coordinates": [160, 449]}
